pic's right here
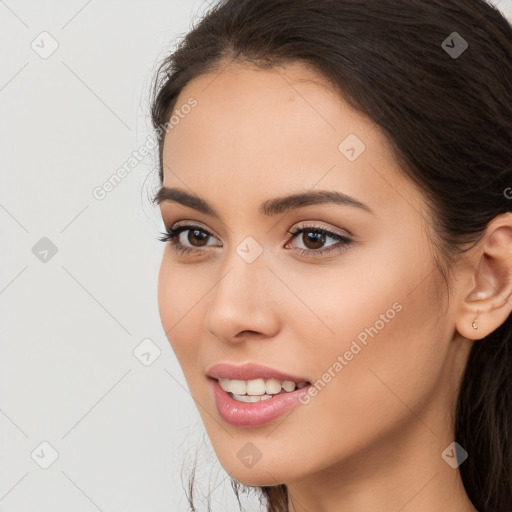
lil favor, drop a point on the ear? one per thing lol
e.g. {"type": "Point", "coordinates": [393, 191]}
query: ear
{"type": "Point", "coordinates": [487, 282]}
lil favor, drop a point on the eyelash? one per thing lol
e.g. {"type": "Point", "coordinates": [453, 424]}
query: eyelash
{"type": "Point", "coordinates": [171, 235]}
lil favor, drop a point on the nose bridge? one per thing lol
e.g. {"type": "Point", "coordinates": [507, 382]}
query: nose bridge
{"type": "Point", "coordinates": [241, 278]}
{"type": "Point", "coordinates": [246, 263]}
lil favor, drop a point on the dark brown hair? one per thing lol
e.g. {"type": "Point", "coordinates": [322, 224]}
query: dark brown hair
{"type": "Point", "coordinates": [448, 118]}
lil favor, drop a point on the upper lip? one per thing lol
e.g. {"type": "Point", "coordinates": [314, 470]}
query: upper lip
{"type": "Point", "coordinates": [250, 371]}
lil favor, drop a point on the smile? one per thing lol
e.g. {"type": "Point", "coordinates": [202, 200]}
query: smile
{"type": "Point", "coordinates": [255, 409]}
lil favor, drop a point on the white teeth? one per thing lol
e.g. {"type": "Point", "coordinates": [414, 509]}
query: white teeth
{"type": "Point", "coordinates": [258, 387]}
{"type": "Point", "coordinates": [238, 387]}
{"type": "Point", "coordinates": [288, 385]}
{"type": "Point", "coordinates": [272, 386]}
{"type": "Point", "coordinates": [249, 398]}
{"type": "Point", "coordinates": [224, 384]}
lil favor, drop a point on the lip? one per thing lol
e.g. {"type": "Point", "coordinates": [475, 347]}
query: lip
{"type": "Point", "coordinates": [254, 414]}
{"type": "Point", "coordinates": [250, 371]}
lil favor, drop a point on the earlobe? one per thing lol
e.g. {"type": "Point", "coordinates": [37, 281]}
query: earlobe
{"type": "Point", "coordinates": [487, 305]}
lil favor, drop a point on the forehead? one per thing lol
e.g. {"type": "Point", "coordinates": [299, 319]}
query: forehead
{"type": "Point", "coordinates": [271, 132]}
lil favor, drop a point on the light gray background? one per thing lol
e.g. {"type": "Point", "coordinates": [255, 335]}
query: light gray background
{"type": "Point", "coordinates": [121, 426]}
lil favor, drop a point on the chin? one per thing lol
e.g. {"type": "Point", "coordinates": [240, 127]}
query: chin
{"type": "Point", "coordinates": [257, 478]}
{"type": "Point", "coordinates": [268, 472]}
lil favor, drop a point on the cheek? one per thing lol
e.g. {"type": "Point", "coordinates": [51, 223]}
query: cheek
{"type": "Point", "coordinates": [178, 301]}
{"type": "Point", "coordinates": [383, 359]}
{"type": "Point", "coordinates": [376, 312]}
{"type": "Point", "coordinates": [167, 298]}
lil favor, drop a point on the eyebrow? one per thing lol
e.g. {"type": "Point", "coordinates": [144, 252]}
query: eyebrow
{"type": "Point", "coordinates": [268, 208]}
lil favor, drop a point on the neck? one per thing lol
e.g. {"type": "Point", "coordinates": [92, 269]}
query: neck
{"type": "Point", "coordinates": [405, 474]}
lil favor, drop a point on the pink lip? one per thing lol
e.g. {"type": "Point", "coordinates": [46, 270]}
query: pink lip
{"type": "Point", "coordinates": [250, 371]}
{"type": "Point", "coordinates": [253, 414]}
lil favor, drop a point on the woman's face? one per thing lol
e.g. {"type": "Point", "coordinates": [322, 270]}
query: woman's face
{"type": "Point", "coordinates": [360, 322]}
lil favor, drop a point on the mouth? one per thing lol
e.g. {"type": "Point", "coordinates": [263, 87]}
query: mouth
{"type": "Point", "coordinates": [257, 390]}
{"type": "Point", "coordinates": [253, 395]}
{"type": "Point", "coordinates": [247, 404]}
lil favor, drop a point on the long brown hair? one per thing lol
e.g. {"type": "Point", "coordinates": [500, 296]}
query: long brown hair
{"type": "Point", "coordinates": [445, 105]}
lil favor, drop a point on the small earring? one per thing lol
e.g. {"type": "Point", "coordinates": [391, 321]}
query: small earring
{"type": "Point", "coordinates": [475, 321]}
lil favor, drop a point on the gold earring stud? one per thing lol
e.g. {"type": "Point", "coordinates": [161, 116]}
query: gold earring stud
{"type": "Point", "coordinates": [475, 321]}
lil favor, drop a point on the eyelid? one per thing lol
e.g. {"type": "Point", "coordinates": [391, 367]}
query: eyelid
{"type": "Point", "coordinates": [191, 224]}
{"type": "Point", "coordinates": [343, 241]}
{"type": "Point", "coordinates": [317, 226]}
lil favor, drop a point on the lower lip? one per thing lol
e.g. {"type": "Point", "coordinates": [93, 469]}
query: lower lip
{"type": "Point", "coordinates": [254, 414]}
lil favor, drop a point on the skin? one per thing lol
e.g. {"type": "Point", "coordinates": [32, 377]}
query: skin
{"type": "Point", "coordinates": [372, 438]}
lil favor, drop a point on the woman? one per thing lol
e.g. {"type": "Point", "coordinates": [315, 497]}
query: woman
{"type": "Point", "coordinates": [336, 182]}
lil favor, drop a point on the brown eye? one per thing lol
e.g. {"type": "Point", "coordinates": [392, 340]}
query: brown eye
{"type": "Point", "coordinates": [314, 238]}
{"type": "Point", "coordinates": [196, 236]}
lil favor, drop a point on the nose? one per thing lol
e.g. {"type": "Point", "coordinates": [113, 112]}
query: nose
{"type": "Point", "coordinates": [243, 303]}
